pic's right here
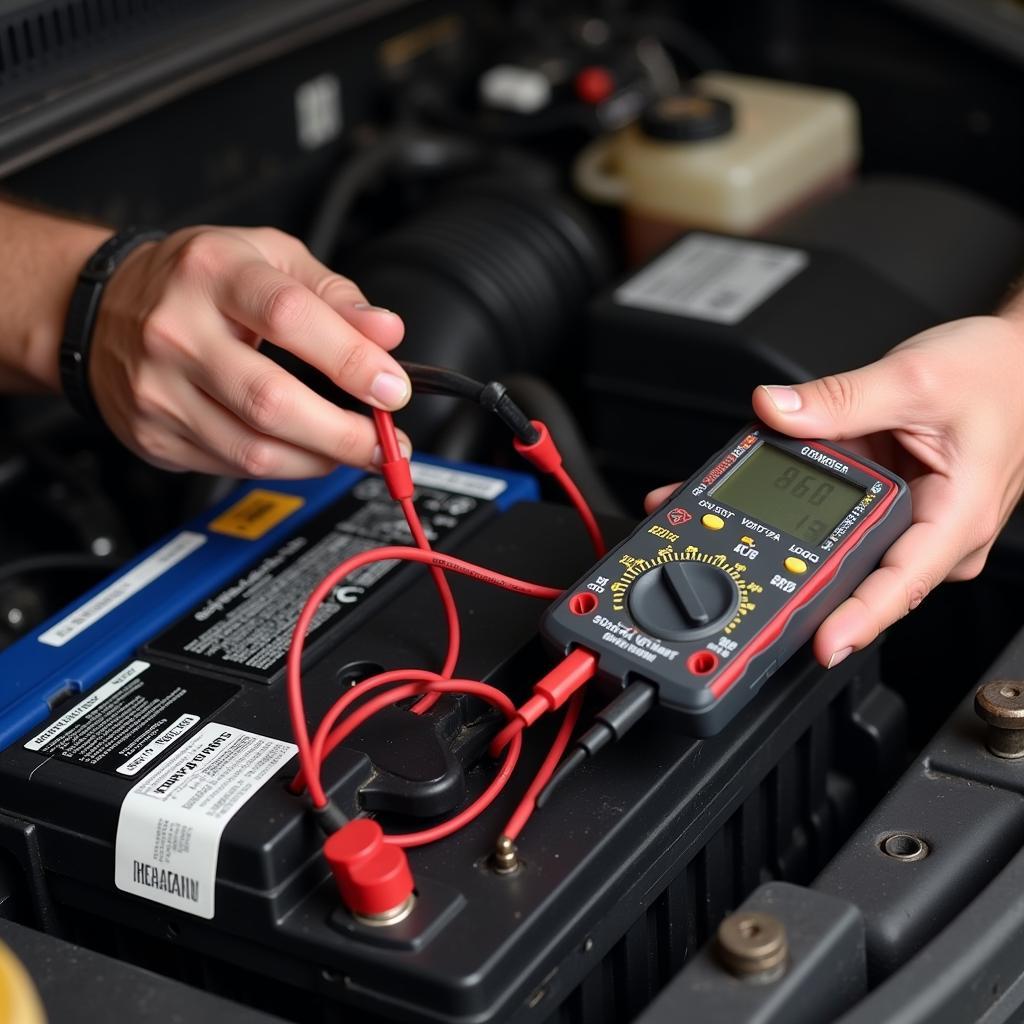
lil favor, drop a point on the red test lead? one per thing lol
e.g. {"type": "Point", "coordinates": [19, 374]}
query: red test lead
{"type": "Point", "coordinates": [549, 694]}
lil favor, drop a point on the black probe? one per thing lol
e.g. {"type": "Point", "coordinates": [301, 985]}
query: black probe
{"type": "Point", "coordinates": [493, 396]}
{"type": "Point", "coordinates": [610, 725]}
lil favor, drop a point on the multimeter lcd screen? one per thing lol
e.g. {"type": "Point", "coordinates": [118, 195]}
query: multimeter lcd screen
{"type": "Point", "coordinates": [788, 493]}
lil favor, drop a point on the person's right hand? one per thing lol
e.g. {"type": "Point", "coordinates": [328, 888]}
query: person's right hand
{"type": "Point", "coordinates": [944, 410]}
{"type": "Point", "coordinates": [178, 377]}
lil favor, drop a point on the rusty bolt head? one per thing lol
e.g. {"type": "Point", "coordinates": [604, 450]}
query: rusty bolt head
{"type": "Point", "coordinates": [751, 942]}
{"type": "Point", "coordinates": [1000, 704]}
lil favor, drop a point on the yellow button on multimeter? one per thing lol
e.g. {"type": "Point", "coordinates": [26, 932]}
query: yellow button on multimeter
{"type": "Point", "coordinates": [711, 521]}
{"type": "Point", "coordinates": [795, 565]}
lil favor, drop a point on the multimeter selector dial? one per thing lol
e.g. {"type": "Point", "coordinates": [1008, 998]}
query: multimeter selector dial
{"type": "Point", "coordinates": [683, 600]}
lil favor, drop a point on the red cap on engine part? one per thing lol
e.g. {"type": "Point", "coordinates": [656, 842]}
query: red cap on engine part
{"type": "Point", "coordinates": [373, 876]}
{"type": "Point", "coordinates": [594, 84]}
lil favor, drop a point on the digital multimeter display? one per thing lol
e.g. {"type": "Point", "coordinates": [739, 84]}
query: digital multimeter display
{"type": "Point", "coordinates": [789, 493]}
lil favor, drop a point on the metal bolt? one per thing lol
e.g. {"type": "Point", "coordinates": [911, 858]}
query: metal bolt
{"type": "Point", "coordinates": [505, 860]}
{"type": "Point", "coordinates": [904, 846]}
{"type": "Point", "coordinates": [1000, 704]}
{"type": "Point", "coordinates": [751, 942]}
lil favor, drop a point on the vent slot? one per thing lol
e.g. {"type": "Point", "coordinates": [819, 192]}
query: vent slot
{"type": "Point", "coordinates": [43, 34]}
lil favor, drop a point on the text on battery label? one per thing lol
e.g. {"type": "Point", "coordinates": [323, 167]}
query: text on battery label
{"type": "Point", "coordinates": [245, 627]}
{"type": "Point", "coordinates": [132, 719]}
{"type": "Point", "coordinates": [100, 694]}
{"type": "Point", "coordinates": [170, 826]}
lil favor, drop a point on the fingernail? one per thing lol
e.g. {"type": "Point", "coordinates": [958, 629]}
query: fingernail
{"type": "Point", "coordinates": [784, 398]}
{"type": "Point", "coordinates": [365, 307]}
{"type": "Point", "coordinates": [838, 656]}
{"type": "Point", "coordinates": [405, 448]}
{"type": "Point", "coordinates": [390, 390]}
{"type": "Point", "coordinates": [377, 458]}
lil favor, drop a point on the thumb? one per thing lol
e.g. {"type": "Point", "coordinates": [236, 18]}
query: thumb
{"type": "Point", "coordinates": [839, 406]}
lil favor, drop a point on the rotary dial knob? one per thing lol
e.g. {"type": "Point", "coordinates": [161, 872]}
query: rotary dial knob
{"type": "Point", "coordinates": [683, 600]}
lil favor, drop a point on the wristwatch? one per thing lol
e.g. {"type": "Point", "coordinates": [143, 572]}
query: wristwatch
{"type": "Point", "coordinates": [81, 318]}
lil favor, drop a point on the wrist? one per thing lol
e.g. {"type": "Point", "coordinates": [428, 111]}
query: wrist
{"type": "Point", "coordinates": [80, 327]}
{"type": "Point", "coordinates": [70, 246]}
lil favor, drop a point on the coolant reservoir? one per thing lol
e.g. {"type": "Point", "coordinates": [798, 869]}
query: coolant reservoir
{"type": "Point", "coordinates": [734, 154]}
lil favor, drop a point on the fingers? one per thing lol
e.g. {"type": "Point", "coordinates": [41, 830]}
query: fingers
{"type": "Point", "coordinates": [381, 326]}
{"type": "Point", "coordinates": [247, 452]}
{"type": "Point", "coordinates": [272, 402]}
{"type": "Point", "coordinates": [181, 455]}
{"type": "Point", "coordinates": [876, 397]}
{"type": "Point", "coordinates": [909, 571]}
{"type": "Point", "coordinates": [658, 496]}
{"type": "Point", "coordinates": [276, 306]}
{"type": "Point", "coordinates": [941, 536]}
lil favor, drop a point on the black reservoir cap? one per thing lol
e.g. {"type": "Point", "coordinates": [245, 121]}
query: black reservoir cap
{"type": "Point", "coordinates": [687, 117]}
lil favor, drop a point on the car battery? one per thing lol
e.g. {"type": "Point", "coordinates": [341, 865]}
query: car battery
{"type": "Point", "coordinates": [109, 709]}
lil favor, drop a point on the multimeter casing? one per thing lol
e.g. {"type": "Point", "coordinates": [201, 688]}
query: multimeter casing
{"type": "Point", "coordinates": [708, 674]}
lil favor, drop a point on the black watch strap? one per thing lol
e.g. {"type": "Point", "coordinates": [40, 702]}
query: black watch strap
{"type": "Point", "coordinates": [81, 318]}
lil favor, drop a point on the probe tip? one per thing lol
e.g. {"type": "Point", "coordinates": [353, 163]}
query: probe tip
{"type": "Point", "coordinates": [506, 858]}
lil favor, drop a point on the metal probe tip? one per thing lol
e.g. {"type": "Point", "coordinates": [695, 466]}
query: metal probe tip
{"type": "Point", "coordinates": [505, 859]}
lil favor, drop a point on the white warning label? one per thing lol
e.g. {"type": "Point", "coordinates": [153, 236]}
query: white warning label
{"type": "Point", "coordinates": [169, 829]}
{"type": "Point", "coordinates": [457, 481]}
{"type": "Point", "coordinates": [708, 277]}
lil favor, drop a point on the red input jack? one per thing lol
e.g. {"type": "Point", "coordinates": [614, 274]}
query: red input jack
{"type": "Point", "coordinates": [702, 663]}
{"type": "Point", "coordinates": [583, 603]}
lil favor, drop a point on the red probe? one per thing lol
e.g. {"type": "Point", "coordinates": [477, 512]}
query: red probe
{"type": "Point", "coordinates": [370, 868]}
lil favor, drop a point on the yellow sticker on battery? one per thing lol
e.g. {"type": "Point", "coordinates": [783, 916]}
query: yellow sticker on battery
{"type": "Point", "coordinates": [253, 515]}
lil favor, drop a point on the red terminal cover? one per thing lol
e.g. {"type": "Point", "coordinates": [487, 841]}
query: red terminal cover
{"type": "Point", "coordinates": [373, 877]}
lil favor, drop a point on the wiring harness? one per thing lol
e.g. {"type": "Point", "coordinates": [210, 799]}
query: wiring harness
{"type": "Point", "coordinates": [369, 866]}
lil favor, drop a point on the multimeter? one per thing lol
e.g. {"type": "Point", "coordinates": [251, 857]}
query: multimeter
{"type": "Point", "coordinates": [733, 574]}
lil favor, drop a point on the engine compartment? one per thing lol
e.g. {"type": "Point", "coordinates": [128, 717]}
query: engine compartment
{"type": "Point", "coordinates": [469, 166]}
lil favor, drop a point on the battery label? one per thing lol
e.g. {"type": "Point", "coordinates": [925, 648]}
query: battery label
{"type": "Point", "coordinates": [458, 481]}
{"type": "Point", "coordinates": [256, 513]}
{"type": "Point", "coordinates": [127, 585]}
{"type": "Point", "coordinates": [132, 719]}
{"type": "Point", "coordinates": [246, 628]}
{"type": "Point", "coordinates": [171, 822]}
{"type": "Point", "coordinates": [707, 277]}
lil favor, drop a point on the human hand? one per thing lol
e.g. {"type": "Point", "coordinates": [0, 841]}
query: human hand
{"type": "Point", "coordinates": [177, 375]}
{"type": "Point", "coordinates": [944, 410]}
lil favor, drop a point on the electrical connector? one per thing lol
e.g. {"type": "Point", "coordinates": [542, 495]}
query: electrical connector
{"type": "Point", "coordinates": [610, 725]}
{"type": "Point", "coordinates": [549, 694]}
{"type": "Point", "coordinates": [398, 477]}
{"type": "Point", "coordinates": [542, 453]}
